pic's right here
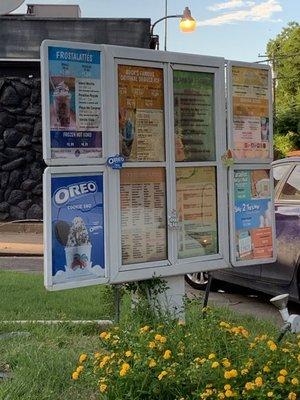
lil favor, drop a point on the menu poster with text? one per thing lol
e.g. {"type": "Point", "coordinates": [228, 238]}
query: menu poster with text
{"type": "Point", "coordinates": [251, 124]}
{"type": "Point", "coordinates": [197, 211]}
{"type": "Point", "coordinates": [253, 214]}
{"type": "Point", "coordinates": [75, 103]}
{"type": "Point", "coordinates": [141, 113]}
{"type": "Point", "coordinates": [143, 215]}
{"type": "Point", "coordinates": [194, 116]}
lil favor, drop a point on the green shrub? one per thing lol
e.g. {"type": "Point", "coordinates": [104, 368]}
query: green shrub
{"type": "Point", "coordinates": [206, 358]}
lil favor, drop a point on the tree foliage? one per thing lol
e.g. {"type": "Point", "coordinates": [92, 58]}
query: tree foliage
{"type": "Point", "coordinates": [284, 51]}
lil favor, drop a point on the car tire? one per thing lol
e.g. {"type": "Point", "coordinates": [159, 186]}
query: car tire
{"type": "Point", "coordinates": [197, 280]}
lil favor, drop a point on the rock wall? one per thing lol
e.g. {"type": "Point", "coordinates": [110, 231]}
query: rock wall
{"type": "Point", "coordinates": [21, 158]}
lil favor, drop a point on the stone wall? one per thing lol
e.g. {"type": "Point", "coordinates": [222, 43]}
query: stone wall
{"type": "Point", "coordinates": [21, 158]}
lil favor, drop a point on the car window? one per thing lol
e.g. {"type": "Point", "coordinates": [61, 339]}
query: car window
{"type": "Point", "coordinates": [279, 172]}
{"type": "Point", "coordinates": [291, 189]}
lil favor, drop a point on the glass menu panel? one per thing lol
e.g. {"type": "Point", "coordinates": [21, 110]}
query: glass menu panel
{"type": "Point", "coordinates": [196, 200]}
{"type": "Point", "coordinates": [143, 215]}
{"type": "Point", "coordinates": [251, 131]}
{"type": "Point", "coordinates": [253, 214]}
{"type": "Point", "coordinates": [141, 113]}
{"type": "Point", "coordinates": [194, 116]}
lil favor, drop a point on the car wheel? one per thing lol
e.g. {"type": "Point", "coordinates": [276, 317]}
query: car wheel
{"type": "Point", "coordinates": [197, 280]}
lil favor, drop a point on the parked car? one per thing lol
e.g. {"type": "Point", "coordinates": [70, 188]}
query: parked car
{"type": "Point", "coordinates": [282, 276]}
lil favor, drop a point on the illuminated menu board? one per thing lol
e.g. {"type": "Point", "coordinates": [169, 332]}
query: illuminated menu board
{"type": "Point", "coordinates": [143, 215]}
{"type": "Point", "coordinates": [251, 116]}
{"type": "Point", "coordinates": [194, 116]}
{"type": "Point", "coordinates": [253, 214]}
{"type": "Point", "coordinates": [141, 113]}
{"type": "Point", "coordinates": [197, 210]}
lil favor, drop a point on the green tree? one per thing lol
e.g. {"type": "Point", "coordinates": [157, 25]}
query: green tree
{"type": "Point", "coordinates": [284, 51]}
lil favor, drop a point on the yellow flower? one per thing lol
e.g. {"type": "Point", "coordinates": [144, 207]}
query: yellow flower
{"type": "Point", "coordinates": [295, 381]}
{"type": "Point", "coordinates": [79, 369]}
{"type": "Point", "coordinates": [125, 366]}
{"type": "Point", "coordinates": [227, 387]}
{"type": "Point", "coordinates": [161, 375]}
{"type": "Point", "coordinates": [157, 337]}
{"type": "Point", "coordinates": [229, 393]}
{"type": "Point", "coordinates": [270, 394]}
{"type": "Point", "coordinates": [226, 363]}
{"type": "Point", "coordinates": [103, 335]}
{"type": "Point", "coordinates": [211, 356]}
{"type": "Point", "coordinates": [292, 396]}
{"type": "Point", "coordinates": [266, 368]}
{"type": "Point", "coordinates": [123, 372]}
{"type": "Point", "coordinates": [215, 364]}
{"type": "Point", "coordinates": [103, 387]}
{"type": "Point", "coordinates": [163, 339]}
{"type": "Point", "coordinates": [224, 324]}
{"type": "Point", "coordinates": [272, 345]}
{"type": "Point", "coordinates": [249, 386]}
{"type": "Point", "coordinates": [145, 329]}
{"type": "Point", "coordinates": [230, 374]}
{"type": "Point", "coordinates": [151, 345]}
{"type": "Point", "coordinates": [167, 354]}
{"type": "Point", "coordinates": [75, 376]}
{"type": "Point", "coordinates": [281, 379]}
{"type": "Point", "coordinates": [283, 372]}
{"type": "Point", "coordinates": [128, 353]}
{"type": "Point", "coordinates": [152, 363]}
{"type": "Point", "coordinates": [258, 381]}
{"type": "Point", "coordinates": [221, 395]}
{"type": "Point", "coordinates": [244, 371]}
{"type": "Point", "coordinates": [82, 358]}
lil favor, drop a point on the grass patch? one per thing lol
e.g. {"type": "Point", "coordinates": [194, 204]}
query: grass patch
{"type": "Point", "coordinates": [23, 297]}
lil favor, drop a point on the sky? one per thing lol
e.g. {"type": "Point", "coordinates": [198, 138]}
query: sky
{"type": "Point", "coordinates": [234, 29]}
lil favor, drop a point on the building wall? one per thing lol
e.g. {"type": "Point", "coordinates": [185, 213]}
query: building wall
{"type": "Point", "coordinates": [21, 36]}
{"type": "Point", "coordinates": [21, 159]}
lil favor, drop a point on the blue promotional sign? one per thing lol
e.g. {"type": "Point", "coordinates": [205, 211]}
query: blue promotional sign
{"type": "Point", "coordinates": [77, 217]}
{"type": "Point", "coordinates": [74, 103]}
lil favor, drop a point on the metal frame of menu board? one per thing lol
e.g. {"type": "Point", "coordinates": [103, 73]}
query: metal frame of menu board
{"type": "Point", "coordinates": [172, 265]}
{"type": "Point", "coordinates": [46, 109]}
{"type": "Point", "coordinates": [230, 124]}
{"type": "Point", "coordinates": [254, 261]}
{"type": "Point", "coordinates": [66, 282]}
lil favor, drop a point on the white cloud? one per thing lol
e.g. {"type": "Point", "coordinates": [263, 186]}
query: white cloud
{"type": "Point", "coordinates": [256, 12]}
{"type": "Point", "coordinates": [230, 4]}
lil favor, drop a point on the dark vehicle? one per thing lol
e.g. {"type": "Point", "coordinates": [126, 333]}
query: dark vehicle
{"type": "Point", "coordinates": [283, 276]}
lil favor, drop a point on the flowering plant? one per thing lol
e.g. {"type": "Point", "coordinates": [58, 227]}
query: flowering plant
{"type": "Point", "coordinates": [204, 359]}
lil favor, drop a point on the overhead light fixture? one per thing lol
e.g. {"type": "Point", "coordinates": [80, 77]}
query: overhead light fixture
{"type": "Point", "coordinates": [187, 24]}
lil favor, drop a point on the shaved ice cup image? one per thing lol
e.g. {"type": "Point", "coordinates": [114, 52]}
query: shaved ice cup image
{"type": "Point", "coordinates": [78, 257]}
{"type": "Point", "coordinates": [62, 104]}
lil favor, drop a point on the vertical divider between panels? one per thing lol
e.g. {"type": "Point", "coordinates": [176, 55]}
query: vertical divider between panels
{"type": "Point", "coordinates": [170, 161]}
{"type": "Point", "coordinates": [220, 145]}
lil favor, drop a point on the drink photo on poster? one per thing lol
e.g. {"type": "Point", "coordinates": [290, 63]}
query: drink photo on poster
{"type": "Point", "coordinates": [253, 214]}
{"type": "Point", "coordinates": [62, 103]}
{"type": "Point", "coordinates": [77, 228]}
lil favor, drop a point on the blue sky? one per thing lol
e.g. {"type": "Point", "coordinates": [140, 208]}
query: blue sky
{"type": "Point", "coordinates": [234, 29]}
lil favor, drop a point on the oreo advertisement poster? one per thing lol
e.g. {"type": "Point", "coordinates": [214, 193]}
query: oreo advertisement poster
{"type": "Point", "coordinates": [77, 218]}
